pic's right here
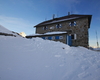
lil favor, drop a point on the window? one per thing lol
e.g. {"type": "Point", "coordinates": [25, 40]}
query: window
{"type": "Point", "coordinates": [46, 38]}
{"type": "Point", "coordinates": [73, 36]}
{"type": "Point", "coordinates": [53, 37]}
{"type": "Point", "coordinates": [52, 27]}
{"type": "Point", "coordinates": [73, 23]}
{"type": "Point", "coordinates": [45, 28]}
{"type": "Point", "coordinates": [58, 26]}
{"type": "Point", "coordinates": [60, 37]}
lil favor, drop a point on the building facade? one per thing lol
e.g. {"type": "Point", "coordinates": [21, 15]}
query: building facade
{"type": "Point", "coordinates": [71, 29]}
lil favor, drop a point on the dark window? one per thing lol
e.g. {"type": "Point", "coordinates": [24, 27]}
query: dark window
{"type": "Point", "coordinates": [60, 37]}
{"type": "Point", "coordinates": [73, 23]}
{"type": "Point", "coordinates": [58, 26]}
{"type": "Point", "coordinates": [45, 28]}
{"type": "Point", "coordinates": [73, 36]}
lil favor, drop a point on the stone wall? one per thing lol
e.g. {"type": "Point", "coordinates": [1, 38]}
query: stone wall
{"type": "Point", "coordinates": [80, 29]}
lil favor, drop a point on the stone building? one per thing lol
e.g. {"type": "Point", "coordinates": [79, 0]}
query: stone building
{"type": "Point", "coordinates": [70, 29]}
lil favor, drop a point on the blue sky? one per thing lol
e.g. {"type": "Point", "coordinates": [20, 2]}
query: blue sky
{"type": "Point", "coordinates": [22, 15]}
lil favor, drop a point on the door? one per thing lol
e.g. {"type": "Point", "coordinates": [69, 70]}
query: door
{"type": "Point", "coordinates": [69, 40]}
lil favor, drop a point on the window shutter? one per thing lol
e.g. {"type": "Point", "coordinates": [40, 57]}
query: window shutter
{"type": "Point", "coordinates": [60, 25]}
{"type": "Point", "coordinates": [49, 38]}
{"type": "Point", "coordinates": [57, 37]}
{"type": "Point", "coordinates": [46, 27]}
{"type": "Point", "coordinates": [74, 23]}
{"type": "Point", "coordinates": [70, 24]}
{"type": "Point", "coordinates": [75, 36]}
{"type": "Point", "coordinates": [60, 37]}
{"type": "Point", "coordinates": [43, 37]}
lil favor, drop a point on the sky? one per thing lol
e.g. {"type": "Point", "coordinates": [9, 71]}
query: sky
{"type": "Point", "coordinates": [22, 15]}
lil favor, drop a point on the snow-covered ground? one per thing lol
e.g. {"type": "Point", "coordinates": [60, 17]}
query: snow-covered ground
{"type": "Point", "coordinates": [5, 31]}
{"type": "Point", "coordinates": [38, 59]}
{"type": "Point", "coordinates": [96, 49]}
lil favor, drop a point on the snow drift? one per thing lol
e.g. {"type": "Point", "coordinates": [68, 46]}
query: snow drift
{"type": "Point", "coordinates": [38, 59]}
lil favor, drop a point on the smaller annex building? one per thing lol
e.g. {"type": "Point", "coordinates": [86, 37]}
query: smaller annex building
{"type": "Point", "coordinates": [70, 29]}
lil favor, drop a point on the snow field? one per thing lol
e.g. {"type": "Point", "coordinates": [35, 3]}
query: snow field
{"type": "Point", "coordinates": [38, 59]}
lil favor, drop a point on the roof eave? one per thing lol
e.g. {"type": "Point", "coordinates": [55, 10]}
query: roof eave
{"type": "Point", "coordinates": [89, 18]}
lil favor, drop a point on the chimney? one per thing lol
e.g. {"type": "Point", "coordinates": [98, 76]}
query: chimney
{"type": "Point", "coordinates": [53, 16]}
{"type": "Point", "coordinates": [68, 13]}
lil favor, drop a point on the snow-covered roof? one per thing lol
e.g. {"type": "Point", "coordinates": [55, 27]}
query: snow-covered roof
{"type": "Point", "coordinates": [56, 32]}
{"type": "Point", "coordinates": [49, 33]}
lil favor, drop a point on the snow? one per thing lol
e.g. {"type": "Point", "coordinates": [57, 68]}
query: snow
{"type": "Point", "coordinates": [38, 59]}
{"type": "Point", "coordinates": [35, 34]}
{"type": "Point", "coordinates": [56, 32]}
{"type": "Point", "coordinates": [97, 49]}
{"type": "Point", "coordinates": [6, 31]}
{"type": "Point", "coordinates": [49, 33]}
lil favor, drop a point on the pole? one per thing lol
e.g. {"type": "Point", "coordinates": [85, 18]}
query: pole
{"type": "Point", "coordinates": [97, 39]}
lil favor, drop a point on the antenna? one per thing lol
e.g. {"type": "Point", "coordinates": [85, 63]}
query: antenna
{"type": "Point", "coordinates": [57, 14]}
{"type": "Point", "coordinates": [68, 13]}
{"type": "Point", "coordinates": [45, 19]}
{"type": "Point", "coordinates": [53, 16]}
{"type": "Point", "coordinates": [97, 39]}
{"type": "Point", "coordinates": [72, 9]}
